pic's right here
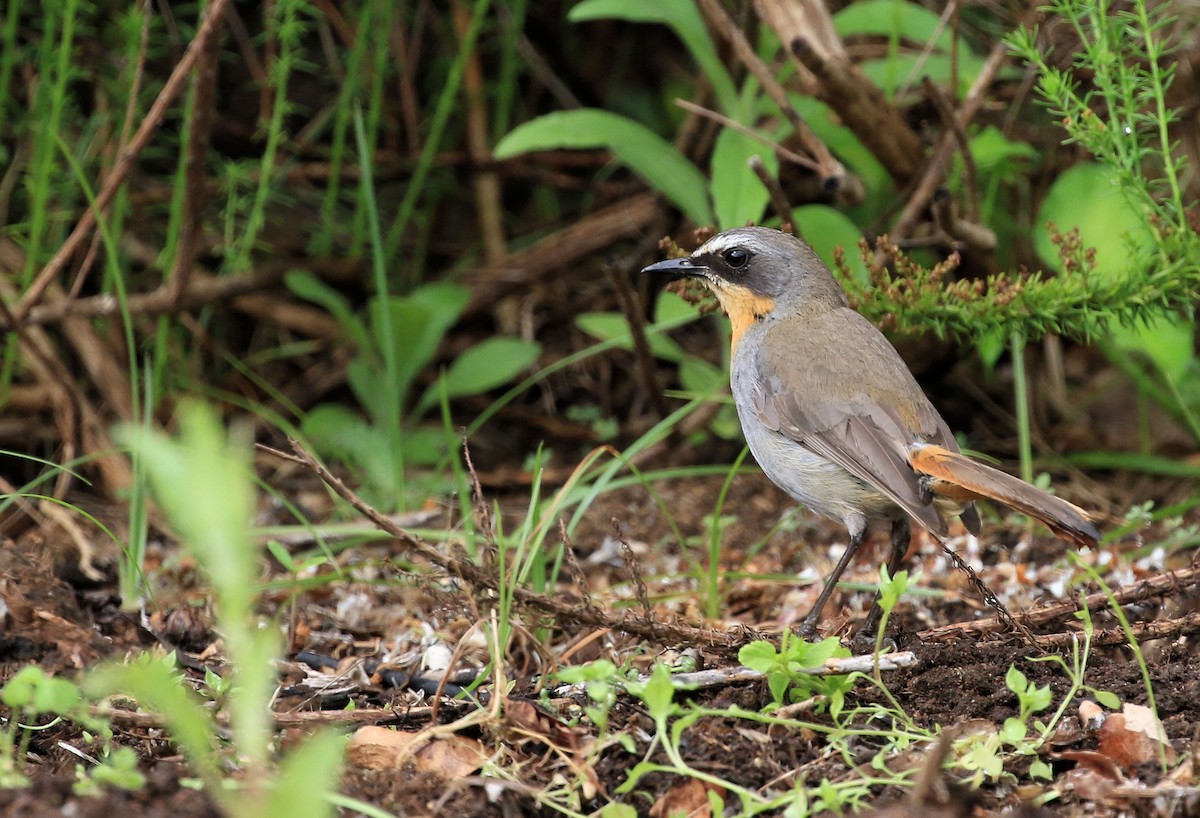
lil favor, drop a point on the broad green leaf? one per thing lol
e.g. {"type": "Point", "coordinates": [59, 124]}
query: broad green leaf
{"type": "Point", "coordinates": [307, 775]}
{"type": "Point", "coordinates": [885, 18]}
{"type": "Point", "coordinates": [1168, 341]}
{"type": "Point", "coordinates": [305, 285]}
{"type": "Point", "coordinates": [760, 656]}
{"type": "Point", "coordinates": [700, 377]}
{"type": "Point", "coordinates": [990, 148]}
{"type": "Point", "coordinates": [203, 484]}
{"type": "Point", "coordinates": [672, 307]}
{"type": "Point", "coordinates": [826, 229]}
{"type": "Point", "coordinates": [484, 366]}
{"type": "Point", "coordinates": [611, 326]}
{"type": "Point", "coordinates": [645, 153]}
{"type": "Point", "coordinates": [658, 693]}
{"type": "Point", "coordinates": [1089, 197]}
{"type": "Point", "coordinates": [683, 17]}
{"type": "Point", "coordinates": [910, 68]}
{"type": "Point", "coordinates": [420, 320]}
{"type": "Point", "coordinates": [738, 194]}
{"type": "Point", "coordinates": [345, 435]}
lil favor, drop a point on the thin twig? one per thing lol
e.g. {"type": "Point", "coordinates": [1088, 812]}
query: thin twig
{"type": "Point", "coordinates": [563, 611]}
{"type": "Point", "coordinates": [154, 117]}
{"type": "Point", "coordinates": [1158, 585]}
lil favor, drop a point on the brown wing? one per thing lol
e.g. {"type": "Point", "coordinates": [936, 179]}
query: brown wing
{"type": "Point", "coordinates": [832, 383]}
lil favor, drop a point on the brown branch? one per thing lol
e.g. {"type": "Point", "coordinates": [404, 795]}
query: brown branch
{"type": "Point", "coordinates": [833, 173]}
{"type": "Point", "coordinates": [212, 15]}
{"type": "Point", "coordinates": [1157, 585]}
{"type": "Point", "coordinates": [199, 133]}
{"type": "Point", "coordinates": [939, 158]}
{"type": "Point", "coordinates": [559, 250]}
{"type": "Point", "coordinates": [486, 183]}
{"type": "Point", "coordinates": [865, 110]}
{"type": "Point", "coordinates": [561, 610]}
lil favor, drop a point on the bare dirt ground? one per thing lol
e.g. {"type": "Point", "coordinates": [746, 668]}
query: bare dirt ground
{"type": "Point", "coordinates": [384, 609]}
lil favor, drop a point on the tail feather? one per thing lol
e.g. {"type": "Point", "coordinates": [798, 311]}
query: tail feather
{"type": "Point", "coordinates": [960, 474]}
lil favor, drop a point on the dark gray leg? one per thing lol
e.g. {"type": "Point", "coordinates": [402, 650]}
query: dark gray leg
{"type": "Point", "coordinates": [808, 628]}
{"type": "Point", "coordinates": [864, 638]}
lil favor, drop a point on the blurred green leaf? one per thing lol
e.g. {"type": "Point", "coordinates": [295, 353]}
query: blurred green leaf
{"type": "Point", "coordinates": [683, 18]}
{"type": "Point", "coordinates": [648, 155]}
{"type": "Point", "coordinates": [611, 326]}
{"type": "Point", "coordinates": [484, 366]}
{"type": "Point", "coordinates": [738, 194]}
{"type": "Point", "coordinates": [826, 229]}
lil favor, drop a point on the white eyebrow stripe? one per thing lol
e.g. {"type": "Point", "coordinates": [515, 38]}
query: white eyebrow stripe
{"type": "Point", "coordinates": [719, 243]}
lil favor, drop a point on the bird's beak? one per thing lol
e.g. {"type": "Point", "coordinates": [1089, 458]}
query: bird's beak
{"type": "Point", "coordinates": [678, 267]}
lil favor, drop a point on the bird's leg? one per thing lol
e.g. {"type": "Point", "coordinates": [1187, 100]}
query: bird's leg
{"type": "Point", "coordinates": [808, 628]}
{"type": "Point", "coordinates": [864, 638]}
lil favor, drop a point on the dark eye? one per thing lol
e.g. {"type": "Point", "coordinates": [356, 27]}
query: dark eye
{"type": "Point", "coordinates": [736, 257]}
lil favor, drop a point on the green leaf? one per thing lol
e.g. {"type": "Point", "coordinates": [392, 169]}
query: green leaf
{"type": "Point", "coordinates": [611, 326]}
{"type": "Point", "coordinates": [683, 17]}
{"type": "Point", "coordinates": [825, 229]}
{"type": "Point", "coordinates": [1088, 196]}
{"type": "Point", "coordinates": [488, 364]}
{"type": "Point", "coordinates": [1108, 699]}
{"type": "Point", "coordinates": [307, 776]}
{"type": "Point", "coordinates": [1013, 732]}
{"type": "Point", "coordinates": [1168, 341]}
{"type": "Point", "coordinates": [645, 153]}
{"type": "Point", "coordinates": [203, 483]}
{"type": "Point", "coordinates": [419, 320]}
{"type": "Point", "coordinates": [343, 434]}
{"type": "Point", "coordinates": [156, 688]}
{"type": "Point", "coordinates": [671, 307]}
{"type": "Point", "coordinates": [887, 17]}
{"type": "Point", "coordinates": [738, 194]}
{"type": "Point", "coordinates": [1015, 681]}
{"type": "Point", "coordinates": [659, 693]}
{"type": "Point", "coordinates": [699, 376]}
{"type": "Point", "coordinates": [760, 656]}
{"type": "Point", "coordinates": [1040, 769]}
{"type": "Point", "coordinates": [614, 810]}
{"type": "Point", "coordinates": [305, 285]}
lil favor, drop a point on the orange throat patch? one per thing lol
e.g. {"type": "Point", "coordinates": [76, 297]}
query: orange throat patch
{"type": "Point", "coordinates": [743, 307]}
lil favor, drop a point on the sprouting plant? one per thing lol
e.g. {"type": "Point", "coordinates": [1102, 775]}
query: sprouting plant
{"type": "Point", "coordinates": [203, 485]}
{"type": "Point", "coordinates": [784, 668]}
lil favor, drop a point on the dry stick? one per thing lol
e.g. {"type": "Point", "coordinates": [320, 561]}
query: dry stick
{"type": "Point", "coordinates": [865, 110]}
{"type": "Point", "coordinates": [1145, 589]}
{"type": "Point", "coordinates": [727, 641]}
{"type": "Point", "coordinates": [939, 159]}
{"type": "Point", "coordinates": [204, 91]}
{"type": "Point", "coordinates": [201, 291]}
{"type": "Point", "coordinates": [726, 122]}
{"type": "Point", "coordinates": [486, 183]}
{"type": "Point", "coordinates": [990, 598]}
{"type": "Point", "coordinates": [154, 117]}
{"type": "Point", "coordinates": [557, 251]}
{"type": "Point", "coordinates": [959, 132]}
{"type": "Point", "coordinates": [135, 93]}
{"type": "Point", "coordinates": [779, 200]}
{"type": "Point", "coordinates": [831, 171]}
{"type": "Point", "coordinates": [1142, 631]}
{"type": "Point", "coordinates": [641, 346]}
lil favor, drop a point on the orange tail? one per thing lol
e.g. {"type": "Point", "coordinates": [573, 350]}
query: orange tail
{"type": "Point", "coordinates": [964, 479]}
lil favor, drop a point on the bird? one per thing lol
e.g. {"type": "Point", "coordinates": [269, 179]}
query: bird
{"type": "Point", "coordinates": [834, 417]}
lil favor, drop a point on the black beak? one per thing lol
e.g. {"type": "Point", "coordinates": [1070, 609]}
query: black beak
{"type": "Point", "coordinates": [678, 267]}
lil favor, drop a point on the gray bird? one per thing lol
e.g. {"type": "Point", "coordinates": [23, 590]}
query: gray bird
{"type": "Point", "coordinates": [832, 414]}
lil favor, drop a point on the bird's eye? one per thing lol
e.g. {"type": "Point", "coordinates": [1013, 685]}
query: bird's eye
{"type": "Point", "coordinates": [736, 257]}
